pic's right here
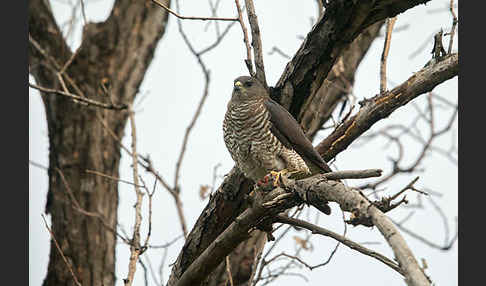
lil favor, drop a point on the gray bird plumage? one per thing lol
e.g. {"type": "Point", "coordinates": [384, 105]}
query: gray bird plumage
{"type": "Point", "coordinates": [262, 136]}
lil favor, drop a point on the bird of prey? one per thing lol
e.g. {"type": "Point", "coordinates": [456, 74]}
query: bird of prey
{"type": "Point", "coordinates": [264, 138]}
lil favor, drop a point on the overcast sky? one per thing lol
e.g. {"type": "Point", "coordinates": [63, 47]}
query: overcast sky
{"type": "Point", "coordinates": [169, 96]}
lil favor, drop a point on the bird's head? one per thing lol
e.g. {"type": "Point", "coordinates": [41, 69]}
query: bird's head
{"type": "Point", "coordinates": [247, 88]}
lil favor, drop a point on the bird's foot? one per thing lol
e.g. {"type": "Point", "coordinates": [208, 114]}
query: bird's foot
{"type": "Point", "coordinates": [278, 177]}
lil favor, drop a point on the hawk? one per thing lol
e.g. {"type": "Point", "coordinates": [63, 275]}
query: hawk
{"type": "Point", "coordinates": [264, 138]}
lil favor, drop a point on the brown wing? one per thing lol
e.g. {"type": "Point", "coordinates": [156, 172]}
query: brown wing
{"type": "Point", "coordinates": [289, 132]}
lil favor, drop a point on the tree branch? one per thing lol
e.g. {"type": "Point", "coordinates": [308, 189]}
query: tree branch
{"type": "Point", "coordinates": [381, 106]}
{"type": "Point", "coordinates": [303, 75]}
{"type": "Point", "coordinates": [256, 42]}
{"type": "Point", "coordinates": [341, 23]}
{"type": "Point", "coordinates": [191, 17]}
{"type": "Point", "coordinates": [314, 191]}
{"type": "Point", "coordinates": [349, 243]}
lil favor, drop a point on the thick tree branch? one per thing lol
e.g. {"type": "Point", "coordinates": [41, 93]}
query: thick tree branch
{"type": "Point", "coordinates": [341, 23]}
{"type": "Point", "coordinates": [381, 106]}
{"type": "Point", "coordinates": [315, 191]}
{"type": "Point", "coordinates": [46, 33]}
{"type": "Point", "coordinates": [304, 74]}
{"type": "Point", "coordinates": [319, 107]}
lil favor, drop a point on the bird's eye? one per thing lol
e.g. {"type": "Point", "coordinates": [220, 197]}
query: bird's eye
{"type": "Point", "coordinates": [248, 83]}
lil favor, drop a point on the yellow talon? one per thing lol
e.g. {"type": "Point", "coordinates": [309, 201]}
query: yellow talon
{"type": "Point", "coordinates": [276, 176]}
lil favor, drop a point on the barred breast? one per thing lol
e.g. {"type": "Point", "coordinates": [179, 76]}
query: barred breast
{"type": "Point", "coordinates": [253, 147]}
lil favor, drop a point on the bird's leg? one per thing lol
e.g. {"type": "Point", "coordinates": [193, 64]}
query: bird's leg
{"type": "Point", "coordinates": [278, 175]}
{"type": "Point", "coordinates": [275, 177]}
{"type": "Point", "coordinates": [263, 181]}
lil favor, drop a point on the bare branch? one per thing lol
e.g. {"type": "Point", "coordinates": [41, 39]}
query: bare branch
{"type": "Point", "coordinates": [135, 248]}
{"type": "Point", "coordinates": [83, 12]}
{"type": "Point", "coordinates": [61, 252]}
{"type": "Point", "coordinates": [190, 17]}
{"type": "Point", "coordinates": [112, 178]}
{"type": "Point", "coordinates": [349, 243]}
{"type": "Point", "coordinates": [228, 270]}
{"type": "Point", "coordinates": [315, 191]}
{"type": "Point", "coordinates": [79, 98]}
{"type": "Point", "coordinates": [454, 24]}
{"type": "Point", "coordinates": [256, 42]}
{"type": "Point", "coordinates": [353, 174]}
{"type": "Point", "coordinates": [248, 61]}
{"type": "Point", "coordinates": [389, 28]}
{"type": "Point", "coordinates": [381, 106]}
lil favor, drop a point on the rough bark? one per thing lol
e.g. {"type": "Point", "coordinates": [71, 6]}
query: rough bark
{"type": "Point", "coordinates": [315, 112]}
{"type": "Point", "coordinates": [341, 23]}
{"type": "Point", "coordinates": [116, 52]}
{"type": "Point", "coordinates": [318, 107]}
{"type": "Point", "coordinates": [381, 106]}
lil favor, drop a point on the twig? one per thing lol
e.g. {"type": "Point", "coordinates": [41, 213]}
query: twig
{"type": "Point", "coordinates": [145, 278]}
{"type": "Point", "coordinates": [166, 245]}
{"type": "Point", "coordinates": [190, 17]}
{"type": "Point", "coordinates": [111, 177]}
{"type": "Point", "coordinates": [78, 208]}
{"type": "Point", "coordinates": [426, 241]}
{"type": "Point", "coordinates": [389, 28]}
{"type": "Point", "coordinates": [383, 105]}
{"type": "Point", "coordinates": [248, 61]}
{"type": "Point", "coordinates": [228, 270]}
{"type": "Point", "coordinates": [217, 41]}
{"type": "Point", "coordinates": [38, 165]}
{"type": "Point", "coordinates": [351, 174]}
{"type": "Point", "coordinates": [407, 187]}
{"type": "Point", "coordinates": [342, 239]}
{"type": "Point", "coordinates": [206, 74]}
{"type": "Point", "coordinates": [275, 49]}
{"type": "Point", "coordinates": [152, 272]}
{"type": "Point", "coordinates": [149, 233]}
{"type": "Point", "coordinates": [454, 24]}
{"type": "Point", "coordinates": [79, 98]}
{"type": "Point", "coordinates": [135, 248]}
{"type": "Point", "coordinates": [256, 42]}
{"type": "Point", "coordinates": [61, 253]}
{"type": "Point", "coordinates": [83, 12]}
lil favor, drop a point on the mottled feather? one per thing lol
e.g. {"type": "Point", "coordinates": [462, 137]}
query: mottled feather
{"type": "Point", "coordinates": [289, 132]}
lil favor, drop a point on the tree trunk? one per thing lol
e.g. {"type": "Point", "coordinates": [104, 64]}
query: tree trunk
{"type": "Point", "coordinates": [83, 206]}
{"type": "Point", "coordinates": [301, 80]}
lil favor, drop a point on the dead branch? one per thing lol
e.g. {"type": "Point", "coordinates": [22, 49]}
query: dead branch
{"type": "Point", "coordinates": [349, 243]}
{"type": "Point", "coordinates": [248, 61]}
{"type": "Point", "coordinates": [135, 248]}
{"type": "Point", "coordinates": [389, 28]}
{"type": "Point", "coordinates": [380, 106]}
{"type": "Point", "coordinates": [78, 98]}
{"type": "Point", "coordinates": [256, 42]}
{"type": "Point", "coordinates": [112, 178]}
{"type": "Point", "coordinates": [191, 17]}
{"type": "Point", "coordinates": [314, 191]}
{"type": "Point", "coordinates": [353, 174]}
{"type": "Point", "coordinates": [61, 253]}
{"type": "Point", "coordinates": [309, 67]}
{"type": "Point", "coordinates": [454, 24]}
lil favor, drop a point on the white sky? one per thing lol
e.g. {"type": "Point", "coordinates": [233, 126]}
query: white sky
{"type": "Point", "coordinates": [171, 92]}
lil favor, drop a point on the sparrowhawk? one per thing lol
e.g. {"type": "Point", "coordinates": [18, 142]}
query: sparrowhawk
{"type": "Point", "coordinates": [263, 137]}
